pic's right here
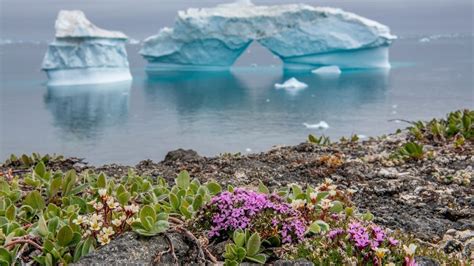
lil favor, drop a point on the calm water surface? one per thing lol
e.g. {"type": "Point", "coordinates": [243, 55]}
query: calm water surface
{"type": "Point", "coordinates": [235, 111]}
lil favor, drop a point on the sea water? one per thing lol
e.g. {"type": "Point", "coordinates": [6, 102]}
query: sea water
{"type": "Point", "coordinates": [225, 111]}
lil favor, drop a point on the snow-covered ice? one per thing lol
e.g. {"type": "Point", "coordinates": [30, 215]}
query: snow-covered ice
{"type": "Point", "coordinates": [83, 53]}
{"type": "Point", "coordinates": [320, 125]}
{"type": "Point", "coordinates": [302, 36]}
{"type": "Point", "coordinates": [291, 84]}
{"type": "Point", "coordinates": [327, 71]}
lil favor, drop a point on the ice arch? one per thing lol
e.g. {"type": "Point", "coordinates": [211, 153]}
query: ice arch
{"type": "Point", "coordinates": [302, 36]}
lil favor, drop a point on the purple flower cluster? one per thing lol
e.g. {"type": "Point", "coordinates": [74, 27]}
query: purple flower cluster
{"type": "Point", "coordinates": [242, 209]}
{"type": "Point", "coordinates": [358, 233]}
{"type": "Point", "coordinates": [335, 232]}
{"type": "Point", "coordinates": [364, 237]}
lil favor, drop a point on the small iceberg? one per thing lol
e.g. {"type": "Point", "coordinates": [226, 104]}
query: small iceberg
{"type": "Point", "coordinates": [83, 53]}
{"type": "Point", "coordinates": [291, 84]}
{"type": "Point", "coordinates": [327, 71]}
{"type": "Point", "coordinates": [320, 125]}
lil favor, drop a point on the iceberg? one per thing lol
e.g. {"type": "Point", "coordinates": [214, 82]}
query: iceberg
{"type": "Point", "coordinates": [291, 84]}
{"type": "Point", "coordinates": [327, 71]}
{"type": "Point", "coordinates": [83, 53]}
{"type": "Point", "coordinates": [302, 36]}
{"type": "Point", "coordinates": [320, 125]}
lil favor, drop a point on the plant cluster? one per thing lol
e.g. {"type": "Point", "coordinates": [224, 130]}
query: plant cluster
{"type": "Point", "coordinates": [457, 128]}
{"type": "Point", "coordinates": [52, 218]}
{"type": "Point", "coordinates": [244, 247]}
{"type": "Point", "coordinates": [258, 212]}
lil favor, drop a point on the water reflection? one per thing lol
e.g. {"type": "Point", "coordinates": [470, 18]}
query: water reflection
{"type": "Point", "coordinates": [190, 92]}
{"type": "Point", "coordinates": [252, 90]}
{"type": "Point", "coordinates": [82, 112]}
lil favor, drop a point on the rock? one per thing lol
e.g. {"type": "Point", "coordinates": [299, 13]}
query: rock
{"type": "Point", "coordinates": [303, 36]}
{"type": "Point", "coordinates": [83, 53]}
{"type": "Point", "coordinates": [293, 263]}
{"type": "Point", "coordinates": [451, 246]}
{"type": "Point", "coordinates": [132, 249]}
{"type": "Point", "coordinates": [182, 155]}
{"type": "Point", "coordinates": [425, 261]}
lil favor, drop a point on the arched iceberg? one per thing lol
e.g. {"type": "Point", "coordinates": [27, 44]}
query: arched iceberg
{"type": "Point", "coordinates": [83, 53]}
{"type": "Point", "coordinates": [303, 36]}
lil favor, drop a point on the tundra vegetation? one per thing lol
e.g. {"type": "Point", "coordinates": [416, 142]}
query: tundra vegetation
{"type": "Point", "coordinates": [51, 217]}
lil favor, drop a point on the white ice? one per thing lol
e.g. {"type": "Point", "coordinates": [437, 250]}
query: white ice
{"type": "Point", "coordinates": [83, 53]}
{"type": "Point", "coordinates": [327, 71]}
{"type": "Point", "coordinates": [320, 125]}
{"type": "Point", "coordinates": [291, 84]}
{"type": "Point", "coordinates": [300, 35]}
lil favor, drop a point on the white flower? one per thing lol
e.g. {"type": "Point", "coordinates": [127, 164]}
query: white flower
{"type": "Point", "coordinates": [103, 239]}
{"type": "Point", "coordinates": [313, 196]}
{"type": "Point", "coordinates": [131, 220]}
{"type": "Point", "coordinates": [410, 250]}
{"type": "Point", "coordinates": [96, 218]}
{"type": "Point", "coordinates": [326, 204]}
{"type": "Point", "coordinates": [117, 222]}
{"type": "Point", "coordinates": [111, 203]}
{"type": "Point", "coordinates": [98, 206]}
{"type": "Point", "coordinates": [87, 233]}
{"type": "Point", "coordinates": [79, 220]}
{"type": "Point", "coordinates": [332, 193]}
{"type": "Point", "coordinates": [132, 208]}
{"type": "Point", "coordinates": [380, 252]}
{"type": "Point", "coordinates": [95, 225]}
{"type": "Point", "coordinates": [123, 217]}
{"type": "Point", "coordinates": [108, 231]}
{"type": "Point", "coordinates": [102, 192]}
{"type": "Point", "coordinates": [299, 203]}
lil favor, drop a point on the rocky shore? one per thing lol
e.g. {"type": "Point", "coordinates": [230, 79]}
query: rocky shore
{"type": "Point", "coordinates": [430, 198]}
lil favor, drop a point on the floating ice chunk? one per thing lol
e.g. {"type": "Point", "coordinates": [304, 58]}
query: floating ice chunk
{"type": "Point", "coordinates": [327, 71]}
{"type": "Point", "coordinates": [320, 125]}
{"type": "Point", "coordinates": [360, 136]}
{"type": "Point", "coordinates": [425, 40]}
{"type": "Point", "coordinates": [395, 106]}
{"type": "Point", "coordinates": [83, 53]}
{"type": "Point", "coordinates": [291, 84]}
{"type": "Point", "coordinates": [302, 36]}
{"type": "Point", "coordinates": [248, 150]}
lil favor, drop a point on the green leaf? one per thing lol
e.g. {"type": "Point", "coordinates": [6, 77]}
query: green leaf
{"type": "Point", "coordinates": [323, 225]}
{"type": "Point", "coordinates": [314, 228]}
{"type": "Point", "coordinates": [259, 258]}
{"type": "Point", "coordinates": [262, 188]}
{"type": "Point", "coordinates": [147, 211]}
{"type": "Point", "coordinates": [240, 253]}
{"type": "Point", "coordinates": [5, 256]}
{"type": "Point", "coordinates": [183, 180]}
{"type": "Point", "coordinates": [253, 244]}
{"type": "Point", "coordinates": [239, 238]}
{"type": "Point", "coordinates": [55, 185]}
{"type": "Point", "coordinates": [101, 181]}
{"type": "Point", "coordinates": [10, 213]}
{"type": "Point", "coordinates": [42, 227]}
{"type": "Point", "coordinates": [214, 188]}
{"type": "Point", "coordinates": [65, 235]}
{"type": "Point", "coordinates": [123, 198]}
{"type": "Point", "coordinates": [337, 207]}
{"type": "Point", "coordinates": [174, 201]}
{"type": "Point", "coordinates": [197, 203]}
{"type": "Point", "coordinates": [296, 190]}
{"type": "Point", "coordinates": [40, 169]}
{"type": "Point", "coordinates": [34, 200]}
{"type": "Point", "coordinates": [367, 216]}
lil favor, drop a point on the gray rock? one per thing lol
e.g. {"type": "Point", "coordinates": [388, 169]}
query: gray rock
{"type": "Point", "coordinates": [425, 261]}
{"type": "Point", "coordinates": [293, 263]}
{"type": "Point", "coordinates": [132, 249]}
{"type": "Point", "coordinates": [182, 155]}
